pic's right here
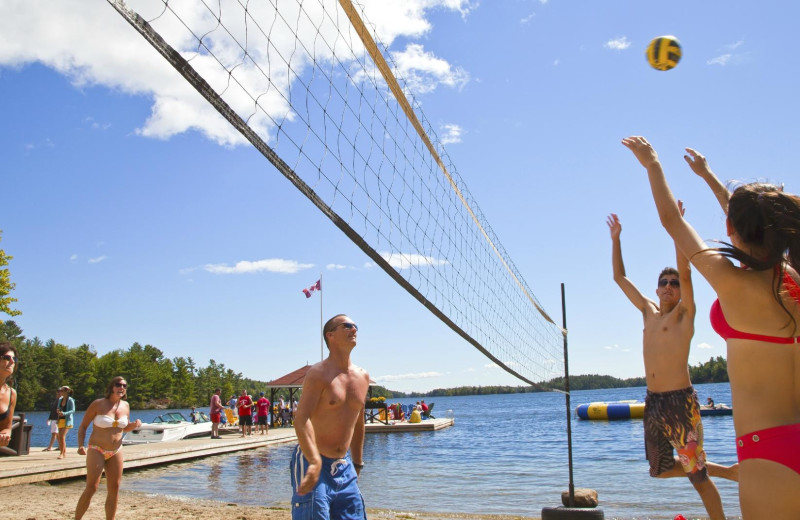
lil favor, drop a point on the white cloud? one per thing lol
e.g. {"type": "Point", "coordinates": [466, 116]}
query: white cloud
{"type": "Point", "coordinates": [408, 260]}
{"type": "Point", "coordinates": [272, 265]}
{"type": "Point", "coordinates": [335, 267]}
{"type": "Point", "coordinates": [452, 134]}
{"type": "Point", "coordinates": [424, 72]}
{"type": "Point", "coordinates": [98, 259]}
{"type": "Point", "coordinates": [92, 45]}
{"type": "Point", "coordinates": [618, 44]}
{"type": "Point", "coordinates": [720, 60]}
{"type": "Point", "coordinates": [72, 258]}
{"type": "Point", "coordinates": [527, 19]}
{"type": "Point", "coordinates": [705, 346]}
{"type": "Point", "coordinates": [729, 57]}
{"type": "Point", "coordinates": [406, 377]}
{"type": "Point", "coordinates": [735, 45]}
{"type": "Point", "coordinates": [616, 348]}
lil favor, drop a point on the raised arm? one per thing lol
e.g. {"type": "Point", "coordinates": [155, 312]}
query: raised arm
{"type": "Point", "coordinates": [634, 295]}
{"type": "Point", "coordinates": [304, 429]}
{"type": "Point", "coordinates": [714, 267]}
{"type": "Point", "coordinates": [685, 275]}
{"type": "Point", "coordinates": [699, 165]}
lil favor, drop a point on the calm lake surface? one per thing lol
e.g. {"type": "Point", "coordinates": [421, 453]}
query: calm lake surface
{"type": "Point", "coordinates": [506, 454]}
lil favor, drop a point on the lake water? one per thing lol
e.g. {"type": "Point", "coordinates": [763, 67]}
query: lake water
{"type": "Point", "coordinates": [506, 454]}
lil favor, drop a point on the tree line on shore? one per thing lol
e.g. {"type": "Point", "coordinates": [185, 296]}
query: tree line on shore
{"type": "Point", "coordinates": [715, 370]}
{"type": "Point", "coordinates": [154, 381]}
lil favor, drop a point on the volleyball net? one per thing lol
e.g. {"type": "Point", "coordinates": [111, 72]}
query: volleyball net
{"type": "Point", "coordinates": [308, 85]}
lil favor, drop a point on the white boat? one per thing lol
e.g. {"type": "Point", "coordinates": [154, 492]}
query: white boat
{"type": "Point", "coordinates": [170, 426]}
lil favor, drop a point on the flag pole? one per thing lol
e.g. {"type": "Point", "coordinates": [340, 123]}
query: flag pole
{"type": "Point", "coordinates": [321, 333]}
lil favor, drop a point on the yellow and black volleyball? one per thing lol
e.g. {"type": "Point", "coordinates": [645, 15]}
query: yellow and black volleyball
{"type": "Point", "coordinates": [664, 52]}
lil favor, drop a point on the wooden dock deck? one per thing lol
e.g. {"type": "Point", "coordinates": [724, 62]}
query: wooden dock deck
{"type": "Point", "coordinates": [427, 425]}
{"type": "Point", "coordinates": [40, 465]}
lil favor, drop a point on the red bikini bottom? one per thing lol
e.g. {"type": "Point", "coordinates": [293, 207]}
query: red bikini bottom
{"type": "Point", "coordinates": [779, 444]}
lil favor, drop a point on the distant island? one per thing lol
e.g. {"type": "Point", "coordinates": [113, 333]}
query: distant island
{"type": "Point", "coordinates": [715, 370]}
{"type": "Point", "coordinates": [159, 382]}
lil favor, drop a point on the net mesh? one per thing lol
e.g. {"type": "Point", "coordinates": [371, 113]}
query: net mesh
{"type": "Point", "coordinates": [306, 83]}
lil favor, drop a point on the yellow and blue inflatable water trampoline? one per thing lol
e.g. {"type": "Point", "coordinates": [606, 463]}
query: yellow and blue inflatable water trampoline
{"type": "Point", "coordinates": [604, 411]}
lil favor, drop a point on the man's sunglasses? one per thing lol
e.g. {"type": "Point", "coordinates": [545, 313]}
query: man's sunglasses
{"type": "Point", "coordinates": [349, 326]}
{"type": "Point", "coordinates": [121, 385]}
{"type": "Point", "coordinates": [9, 358]}
{"type": "Point", "coordinates": [672, 283]}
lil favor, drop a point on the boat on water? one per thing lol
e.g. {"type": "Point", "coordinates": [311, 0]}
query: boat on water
{"type": "Point", "coordinates": [717, 409]}
{"type": "Point", "coordinates": [172, 426]}
{"type": "Point", "coordinates": [633, 409]}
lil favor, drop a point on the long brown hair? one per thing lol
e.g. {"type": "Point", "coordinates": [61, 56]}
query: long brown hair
{"type": "Point", "coordinates": [769, 220]}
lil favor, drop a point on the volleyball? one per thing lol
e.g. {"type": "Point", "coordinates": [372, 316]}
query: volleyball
{"type": "Point", "coordinates": [664, 52]}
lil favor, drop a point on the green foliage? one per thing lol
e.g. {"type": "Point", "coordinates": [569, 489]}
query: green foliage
{"type": "Point", "coordinates": [5, 284]}
{"type": "Point", "coordinates": [715, 370]}
{"type": "Point", "coordinates": [154, 381]}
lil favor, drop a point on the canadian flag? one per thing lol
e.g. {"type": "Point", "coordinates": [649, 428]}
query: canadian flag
{"type": "Point", "coordinates": [316, 287]}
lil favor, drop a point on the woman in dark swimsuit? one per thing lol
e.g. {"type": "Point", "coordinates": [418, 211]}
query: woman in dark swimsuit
{"type": "Point", "coordinates": [8, 396]}
{"type": "Point", "coordinates": [758, 314]}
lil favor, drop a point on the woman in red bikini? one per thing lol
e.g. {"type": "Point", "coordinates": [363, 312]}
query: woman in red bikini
{"type": "Point", "coordinates": [758, 314]}
{"type": "Point", "coordinates": [110, 417]}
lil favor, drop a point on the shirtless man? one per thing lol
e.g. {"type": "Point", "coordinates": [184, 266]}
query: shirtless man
{"type": "Point", "coordinates": [672, 413]}
{"type": "Point", "coordinates": [330, 431]}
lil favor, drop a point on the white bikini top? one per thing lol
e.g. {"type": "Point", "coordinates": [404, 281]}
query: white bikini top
{"type": "Point", "coordinates": [104, 421]}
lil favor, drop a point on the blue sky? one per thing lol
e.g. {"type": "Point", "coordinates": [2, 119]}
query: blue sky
{"type": "Point", "coordinates": [131, 220]}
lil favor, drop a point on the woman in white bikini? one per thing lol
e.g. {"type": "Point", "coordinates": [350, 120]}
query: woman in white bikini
{"type": "Point", "coordinates": [111, 419]}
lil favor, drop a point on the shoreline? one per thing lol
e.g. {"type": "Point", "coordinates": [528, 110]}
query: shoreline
{"type": "Point", "coordinates": [56, 501]}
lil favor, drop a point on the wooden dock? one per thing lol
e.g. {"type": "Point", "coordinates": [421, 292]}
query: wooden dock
{"type": "Point", "coordinates": [427, 425]}
{"type": "Point", "coordinates": [40, 465]}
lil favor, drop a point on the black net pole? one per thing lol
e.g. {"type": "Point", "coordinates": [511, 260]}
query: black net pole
{"type": "Point", "coordinates": [566, 393]}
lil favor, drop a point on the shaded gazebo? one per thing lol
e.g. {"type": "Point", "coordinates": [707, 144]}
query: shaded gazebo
{"type": "Point", "coordinates": [293, 382]}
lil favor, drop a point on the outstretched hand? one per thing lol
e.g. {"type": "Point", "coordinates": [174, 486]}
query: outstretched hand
{"type": "Point", "coordinates": [697, 162]}
{"type": "Point", "coordinates": [641, 149]}
{"type": "Point", "coordinates": [614, 226]}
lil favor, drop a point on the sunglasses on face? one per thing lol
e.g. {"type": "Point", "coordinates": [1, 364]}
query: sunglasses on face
{"type": "Point", "coordinates": [9, 358]}
{"type": "Point", "coordinates": [672, 283]}
{"type": "Point", "coordinates": [349, 326]}
{"type": "Point", "coordinates": [121, 385]}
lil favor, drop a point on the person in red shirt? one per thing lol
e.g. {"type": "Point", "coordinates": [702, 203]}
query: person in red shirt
{"type": "Point", "coordinates": [263, 414]}
{"type": "Point", "coordinates": [245, 406]}
{"type": "Point", "coordinates": [424, 407]}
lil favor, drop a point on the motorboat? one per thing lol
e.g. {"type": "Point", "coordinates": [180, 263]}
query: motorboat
{"type": "Point", "coordinates": [171, 426]}
{"type": "Point", "coordinates": [717, 409]}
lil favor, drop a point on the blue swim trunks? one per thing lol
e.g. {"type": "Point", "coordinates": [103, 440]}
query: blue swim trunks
{"type": "Point", "coordinates": [336, 495]}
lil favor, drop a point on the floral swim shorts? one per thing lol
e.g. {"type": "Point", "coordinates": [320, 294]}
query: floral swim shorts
{"type": "Point", "coordinates": [672, 421]}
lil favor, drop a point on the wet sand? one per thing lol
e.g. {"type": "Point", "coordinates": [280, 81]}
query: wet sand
{"type": "Point", "coordinates": [57, 501]}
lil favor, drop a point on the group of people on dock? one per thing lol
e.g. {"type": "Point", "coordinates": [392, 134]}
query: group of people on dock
{"type": "Point", "coordinates": [758, 314]}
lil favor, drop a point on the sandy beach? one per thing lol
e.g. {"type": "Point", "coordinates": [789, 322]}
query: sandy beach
{"type": "Point", "coordinates": [57, 501]}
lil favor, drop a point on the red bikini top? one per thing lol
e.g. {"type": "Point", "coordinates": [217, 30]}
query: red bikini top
{"type": "Point", "coordinates": [721, 326]}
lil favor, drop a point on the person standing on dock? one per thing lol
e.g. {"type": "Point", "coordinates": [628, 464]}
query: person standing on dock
{"type": "Point", "coordinates": [672, 412]}
{"type": "Point", "coordinates": [330, 431]}
{"type": "Point", "coordinates": [245, 405]}
{"type": "Point", "coordinates": [263, 406]}
{"type": "Point", "coordinates": [215, 410]}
